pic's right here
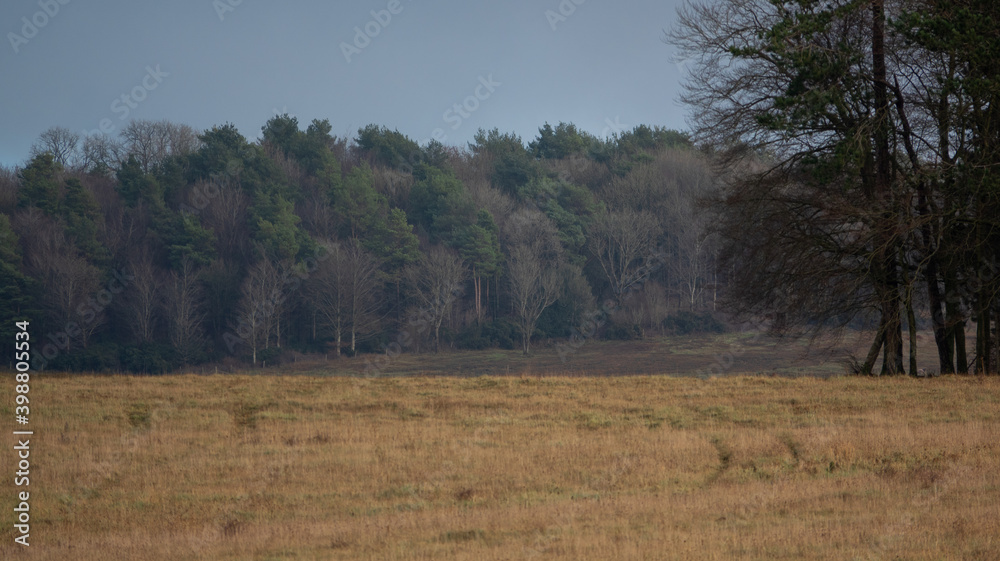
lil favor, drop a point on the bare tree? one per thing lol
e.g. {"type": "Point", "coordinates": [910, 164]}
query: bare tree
{"type": "Point", "coordinates": [259, 306]}
{"type": "Point", "coordinates": [344, 290]}
{"type": "Point", "coordinates": [182, 139]}
{"type": "Point", "coordinates": [152, 141]}
{"type": "Point", "coordinates": [184, 297]}
{"type": "Point", "coordinates": [224, 205]}
{"type": "Point", "coordinates": [326, 291]}
{"type": "Point", "coordinates": [101, 151]}
{"type": "Point", "coordinates": [148, 141]}
{"type": "Point", "coordinates": [534, 286]}
{"type": "Point", "coordinates": [61, 142]}
{"type": "Point", "coordinates": [143, 299]}
{"type": "Point", "coordinates": [437, 282]}
{"type": "Point", "coordinates": [624, 243]}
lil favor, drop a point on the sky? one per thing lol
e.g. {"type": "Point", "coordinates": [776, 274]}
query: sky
{"type": "Point", "coordinates": [430, 69]}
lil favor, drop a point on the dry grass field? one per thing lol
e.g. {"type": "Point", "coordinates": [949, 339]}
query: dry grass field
{"type": "Point", "coordinates": [520, 467]}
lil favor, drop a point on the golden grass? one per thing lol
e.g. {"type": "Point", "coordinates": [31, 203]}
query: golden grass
{"type": "Point", "coordinates": [253, 467]}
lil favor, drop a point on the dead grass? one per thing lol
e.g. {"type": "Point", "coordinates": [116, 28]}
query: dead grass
{"type": "Point", "coordinates": [264, 467]}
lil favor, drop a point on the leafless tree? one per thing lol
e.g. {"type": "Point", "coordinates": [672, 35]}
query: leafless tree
{"type": "Point", "coordinates": [344, 291]}
{"type": "Point", "coordinates": [534, 286]}
{"type": "Point", "coordinates": [183, 139]}
{"type": "Point", "coordinates": [224, 205]}
{"type": "Point", "coordinates": [148, 141]}
{"type": "Point", "coordinates": [101, 151]}
{"type": "Point", "coordinates": [141, 303]}
{"type": "Point", "coordinates": [61, 142]}
{"type": "Point", "coordinates": [185, 314]}
{"type": "Point", "coordinates": [624, 244]}
{"type": "Point", "coordinates": [437, 283]}
{"type": "Point", "coordinates": [259, 306]}
{"type": "Point", "coordinates": [152, 141]}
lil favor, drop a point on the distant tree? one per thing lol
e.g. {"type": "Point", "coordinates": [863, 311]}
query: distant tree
{"type": "Point", "coordinates": [479, 245]}
{"type": "Point", "coordinates": [101, 154]}
{"type": "Point", "coordinates": [62, 143]}
{"type": "Point", "coordinates": [356, 202]}
{"type": "Point", "coordinates": [439, 202]}
{"type": "Point", "coordinates": [512, 165]}
{"type": "Point", "coordinates": [388, 148]}
{"type": "Point", "coordinates": [81, 214]}
{"type": "Point", "coordinates": [559, 143]}
{"type": "Point", "coordinates": [344, 291]}
{"type": "Point", "coordinates": [16, 302]}
{"type": "Point", "coordinates": [283, 132]}
{"type": "Point", "coordinates": [142, 301]}
{"type": "Point", "coordinates": [259, 307]}
{"type": "Point", "coordinates": [148, 141]}
{"type": "Point", "coordinates": [437, 283]}
{"type": "Point", "coordinates": [534, 286]}
{"type": "Point", "coordinates": [624, 243]}
{"type": "Point", "coordinates": [40, 184]}
{"type": "Point", "coordinates": [184, 312]}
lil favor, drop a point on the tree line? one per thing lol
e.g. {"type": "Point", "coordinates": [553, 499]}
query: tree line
{"type": "Point", "coordinates": [164, 246]}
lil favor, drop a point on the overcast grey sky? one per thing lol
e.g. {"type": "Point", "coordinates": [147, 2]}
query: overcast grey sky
{"type": "Point", "coordinates": [512, 65]}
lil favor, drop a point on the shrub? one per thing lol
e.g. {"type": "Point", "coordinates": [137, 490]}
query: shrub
{"type": "Point", "coordinates": [630, 332]}
{"type": "Point", "coordinates": [500, 333]}
{"type": "Point", "coordinates": [685, 323]}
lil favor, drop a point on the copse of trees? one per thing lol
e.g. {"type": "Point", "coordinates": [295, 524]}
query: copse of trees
{"type": "Point", "coordinates": [861, 158]}
{"type": "Point", "coordinates": [165, 247]}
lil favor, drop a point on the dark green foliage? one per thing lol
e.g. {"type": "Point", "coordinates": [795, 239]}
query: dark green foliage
{"type": "Point", "coordinates": [276, 227]}
{"type": "Point", "coordinates": [569, 207]}
{"type": "Point", "coordinates": [16, 289]}
{"type": "Point", "coordinates": [356, 201]}
{"type": "Point", "coordinates": [39, 184]}
{"type": "Point", "coordinates": [479, 245]}
{"type": "Point", "coordinates": [513, 166]}
{"type": "Point", "coordinates": [392, 240]}
{"type": "Point", "coordinates": [629, 149]}
{"type": "Point", "coordinates": [686, 323]}
{"type": "Point", "coordinates": [98, 357]}
{"type": "Point", "coordinates": [500, 333]}
{"type": "Point", "coordinates": [80, 211]}
{"type": "Point", "coordinates": [440, 202]}
{"type": "Point", "coordinates": [311, 148]}
{"type": "Point", "coordinates": [388, 148]}
{"type": "Point", "coordinates": [147, 358]}
{"type": "Point", "coordinates": [134, 184]}
{"type": "Point", "coordinates": [558, 143]}
{"type": "Point", "coordinates": [623, 332]}
{"type": "Point", "coordinates": [224, 151]}
{"type": "Point", "coordinates": [185, 238]}
{"type": "Point", "coordinates": [283, 132]}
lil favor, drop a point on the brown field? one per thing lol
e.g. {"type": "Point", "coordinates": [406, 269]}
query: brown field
{"type": "Point", "coordinates": [520, 467]}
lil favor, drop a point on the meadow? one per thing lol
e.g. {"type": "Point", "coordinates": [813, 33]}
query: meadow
{"type": "Point", "coordinates": [268, 467]}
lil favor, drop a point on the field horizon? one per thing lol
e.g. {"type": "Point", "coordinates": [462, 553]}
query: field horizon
{"type": "Point", "coordinates": [705, 354]}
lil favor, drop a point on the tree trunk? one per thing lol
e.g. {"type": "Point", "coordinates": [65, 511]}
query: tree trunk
{"type": "Point", "coordinates": [946, 359]}
{"type": "Point", "coordinates": [911, 321]}
{"type": "Point", "coordinates": [869, 364]}
{"type": "Point", "coordinates": [893, 358]}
